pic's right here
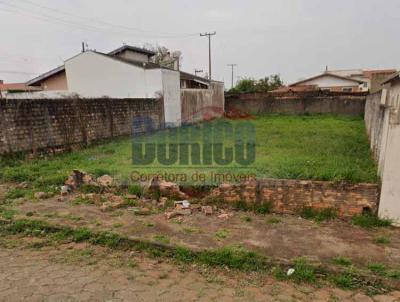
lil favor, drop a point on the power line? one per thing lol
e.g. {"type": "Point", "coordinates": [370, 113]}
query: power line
{"type": "Point", "coordinates": [166, 35]}
{"type": "Point", "coordinates": [209, 50]}
{"type": "Point", "coordinates": [111, 27]}
{"type": "Point", "coordinates": [232, 66]}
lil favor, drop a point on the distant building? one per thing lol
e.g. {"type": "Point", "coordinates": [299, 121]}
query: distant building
{"type": "Point", "coordinates": [126, 72]}
{"type": "Point", "coordinates": [349, 80]}
{"type": "Point", "coordinates": [372, 78]}
{"type": "Point", "coordinates": [331, 82]}
{"type": "Point", "coordinates": [16, 87]}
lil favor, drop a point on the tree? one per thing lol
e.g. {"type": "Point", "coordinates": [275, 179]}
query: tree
{"type": "Point", "coordinates": [263, 85]}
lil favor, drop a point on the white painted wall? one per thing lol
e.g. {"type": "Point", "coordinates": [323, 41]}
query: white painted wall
{"type": "Point", "coordinates": [172, 97]}
{"type": "Point", "coordinates": [389, 162]}
{"type": "Point", "coordinates": [330, 81]}
{"type": "Point", "coordinates": [91, 75]}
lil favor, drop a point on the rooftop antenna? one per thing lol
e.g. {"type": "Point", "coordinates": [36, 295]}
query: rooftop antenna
{"type": "Point", "coordinates": [196, 71]}
{"type": "Point", "coordinates": [326, 68]}
{"type": "Point", "coordinates": [83, 46]}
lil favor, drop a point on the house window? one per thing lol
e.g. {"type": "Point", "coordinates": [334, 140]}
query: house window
{"type": "Point", "coordinates": [347, 89]}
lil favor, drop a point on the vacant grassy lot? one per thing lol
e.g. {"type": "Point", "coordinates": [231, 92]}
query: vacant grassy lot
{"type": "Point", "coordinates": [295, 147]}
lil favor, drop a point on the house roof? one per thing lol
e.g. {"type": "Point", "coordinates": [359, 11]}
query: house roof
{"type": "Point", "coordinates": [46, 75]}
{"type": "Point", "coordinates": [60, 69]}
{"type": "Point", "coordinates": [189, 76]}
{"type": "Point", "coordinates": [326, 74]}
{"type": "Point", "coordinates": [298, 88]}
{"type": "Point", "coordinates": [369, 73]}
{"type": "Point", "coordinates": [145, 65]}
{"type": "Point", "coordinates": [392, 77]}
{"type": "Point", "coordinates": [113, 55]}
{"type": "Point", "coordinates": [17, 87]}
{"type": "Point", "coordinates": [132, 48]}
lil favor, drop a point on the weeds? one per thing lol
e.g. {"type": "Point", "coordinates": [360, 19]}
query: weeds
{"type": "Point", "coordinates": [262, 209]}
{"type": "Point", "coordinates": [343, 261]}
{"type": "Point", "coordinates": [221, 234]}
{"type": "Point", "coordinates": [82, 200]}
{"type": "Point", "coordinates": [7, 213]}
{"type": "Point", "coordinates": [273, 220]}
{"type": "Point", "coordinates": [377, 268]}
{"type": "Point", "coordinates": [162, 238]}
{"type": "Point", "coordinates": [303, 272]}
{"type": "Point", "coordinates": [87, 188]}
{"type": "Point", "coordinates": [368, 221]}
{"type": "Point", "coordinates": [382, 240]}
{"type": "Point", "coordinates": [135, 190]}
{"type": "Point", "coordinates": [16, 193]}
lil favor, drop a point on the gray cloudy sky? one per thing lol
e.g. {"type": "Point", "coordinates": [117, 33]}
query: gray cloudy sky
{"type": "Point", "coordinates": [295, 38]}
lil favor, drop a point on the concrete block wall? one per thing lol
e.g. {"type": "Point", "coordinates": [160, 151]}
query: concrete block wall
{"type": "Point", "coordinates": [31, 125]}
{"type": "Point", "coordinates": [260, 103]}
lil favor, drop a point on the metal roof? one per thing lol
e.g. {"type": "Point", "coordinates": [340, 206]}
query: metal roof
{"type": "Point", "coordinates": [132, 48]}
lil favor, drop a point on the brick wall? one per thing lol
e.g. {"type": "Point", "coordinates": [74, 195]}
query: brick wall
{"type": "Point", "coordinates": [32, 125]}
{"type": "Point", "coordinates": [308, 103]}
{"type": "Point", "coordinates": [290, 196]}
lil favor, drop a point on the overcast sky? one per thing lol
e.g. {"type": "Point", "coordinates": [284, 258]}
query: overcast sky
{"type": "Point", "coordinates": [295, 38]}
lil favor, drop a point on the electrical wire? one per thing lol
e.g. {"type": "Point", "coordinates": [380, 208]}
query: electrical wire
{"type": "Point", "coordinates": [50, 18]}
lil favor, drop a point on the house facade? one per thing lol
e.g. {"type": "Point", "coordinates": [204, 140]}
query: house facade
{"type": "Point", "coordinates": [128, 72]}
{"type": "Point", "coordinates": [331, 82]}
{"type": "Point", "coordinates": [382, 116]}
{"type": "Point", "coordinates": [347, 80]}
{"type": "Point", "coordinates": [372, 79]}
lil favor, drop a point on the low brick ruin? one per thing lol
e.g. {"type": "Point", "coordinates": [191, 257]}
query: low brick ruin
{"type": "Point", "coordinates": [290, 196]}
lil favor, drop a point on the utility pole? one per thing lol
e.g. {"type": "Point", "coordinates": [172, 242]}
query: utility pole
{"type": "Point", "coordinates": [209, 50]}
{"type": "Point", "coordinates": [196, 71]}
{"type": "Point", "coordinates": [232, 66]}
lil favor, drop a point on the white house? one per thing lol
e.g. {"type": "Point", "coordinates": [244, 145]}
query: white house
{"type": "Point", "coordinates": [331, 82]}
{"type": "Point", "coordinates": [128, 72]}
{"type": "Point", "coordinates": [93, 74]}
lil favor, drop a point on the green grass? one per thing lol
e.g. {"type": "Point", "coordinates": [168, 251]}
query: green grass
{"type": "Point", "coordinates": [7, 213]}
{"type": "Point", "coordinates": [382, 240]}
{"type": "Point", "coordinates": [368, 221]}
{"type": "Point", "coordinates": [377, 268]}
{"type": "Point", "coordinates": [319, 147]}
{"type": "Point", "coordinates": [342, 261]}
{"type": "Point", "coordinates": [221, 234]}
{"type": "Point", "coordinates": [303, 272]}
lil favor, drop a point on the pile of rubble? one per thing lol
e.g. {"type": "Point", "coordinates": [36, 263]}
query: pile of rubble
{"type": "Point", "coordinates": [108, 201]}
